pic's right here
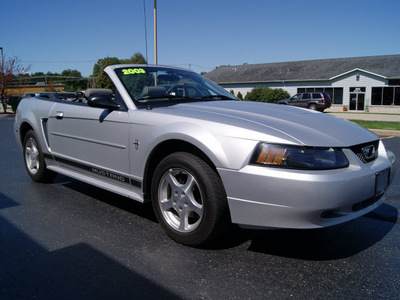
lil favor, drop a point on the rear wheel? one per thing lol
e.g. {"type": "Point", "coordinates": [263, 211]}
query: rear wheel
{"type": "Point", "coordinates": [34, 159]}
{"type": "Point", "coordinates": [189, 199]}
{"type": "Point", "coordinates": [313, 106]}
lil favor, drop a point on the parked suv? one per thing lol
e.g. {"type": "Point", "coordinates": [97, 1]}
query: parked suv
{"type": "Point", "coordinates": [312, 100]}
{"type": "Point", "coordinates": [13, 100]}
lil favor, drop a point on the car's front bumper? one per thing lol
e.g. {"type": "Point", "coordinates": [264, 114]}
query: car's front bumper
{"type": "Point", "coordinates": [280, 198]}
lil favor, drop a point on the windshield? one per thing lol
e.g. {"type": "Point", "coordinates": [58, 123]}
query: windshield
{"type": "Point", "coordinates": [160, 84]}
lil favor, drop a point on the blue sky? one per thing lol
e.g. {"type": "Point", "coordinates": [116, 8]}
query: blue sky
{"type": "Point", "coordinates": [56, 35]}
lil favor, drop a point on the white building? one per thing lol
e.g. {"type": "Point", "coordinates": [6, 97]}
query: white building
{"type": "Point", "coordinates": [357, 83]}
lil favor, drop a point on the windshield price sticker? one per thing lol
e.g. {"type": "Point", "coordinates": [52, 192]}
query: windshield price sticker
{"type": "Point", "coordinates": [133, 71]}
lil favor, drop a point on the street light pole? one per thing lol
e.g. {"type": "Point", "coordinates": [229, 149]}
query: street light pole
{"type": "Point", "coordinates": [2, 79]}
{"type": "Point", "coordinates": [155, 32]}
{"type": "Point", "coordinates": [2, 65]}
{"type": "Point", "coordinates": [2, 75]}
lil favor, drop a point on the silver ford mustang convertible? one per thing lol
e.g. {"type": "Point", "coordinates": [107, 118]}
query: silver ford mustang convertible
{"type": "Point", "coordinates": [204, 158]}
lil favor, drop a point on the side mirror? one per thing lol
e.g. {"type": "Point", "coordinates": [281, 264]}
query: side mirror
{"type": "Point", "coordinates": [103, 101]}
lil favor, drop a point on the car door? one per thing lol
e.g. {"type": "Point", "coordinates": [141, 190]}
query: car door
{"type": "Point", "coordinates": [295, 100]}
{"type": "Point", "coordinates": [305, 98]}
{"type": "Point", "coordinates": [91, 140]}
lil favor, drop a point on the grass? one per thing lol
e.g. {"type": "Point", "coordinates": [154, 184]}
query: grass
{"type": "Point", "coordinates": [378, 124]}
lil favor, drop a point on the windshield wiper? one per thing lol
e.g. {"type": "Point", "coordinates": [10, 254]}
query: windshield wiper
{"type": "Point", "coordinates": [165, 98]}
{"type": "Point", "coordinates": [217, 97]}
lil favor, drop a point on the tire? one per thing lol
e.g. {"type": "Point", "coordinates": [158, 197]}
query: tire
{"type": "Point", "coordinates": [34, 159]}
{"type": "Point", "coordinates": [313, 106]}
{"type": "Point", "coordinates": [189, 199]}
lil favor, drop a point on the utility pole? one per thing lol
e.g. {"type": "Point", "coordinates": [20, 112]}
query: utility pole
{"type": "Point", "coordinates": [2, 75]}
{"type": "Point", "coordinates": [2, 65]}
{"type": "Point", "coordinates": [155, 32]}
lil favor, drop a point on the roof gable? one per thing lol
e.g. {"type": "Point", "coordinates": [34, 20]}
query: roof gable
{"type": "Point", "coordinates": [356, 70]}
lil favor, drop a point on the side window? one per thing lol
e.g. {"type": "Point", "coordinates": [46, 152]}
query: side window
{"type": "Point", "coordinates": [306, 96]}
{"type": "Point", "coordinates": [118, 99]}
{"type": "Point", "coordinates": [316, 96]}
{"type": "Point", "coordinates": [296, 97]}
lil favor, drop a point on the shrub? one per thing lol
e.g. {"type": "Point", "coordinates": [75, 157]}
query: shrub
{"type": "Point", "coordinates": [266, 94]}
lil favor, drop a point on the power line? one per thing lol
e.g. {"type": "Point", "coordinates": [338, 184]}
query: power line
{"type": "Point", "coordinates": [59, 61]}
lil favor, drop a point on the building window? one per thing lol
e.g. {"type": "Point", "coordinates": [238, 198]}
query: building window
{"type": "Point", "coordinates": [385, 95]}
{"type": "Point", "coordinates": [376, 96]}
{"type": "Point", "coordinates": [336, 94]}
{"type": "Point", "coordinates": [357, 90]}
{"type": "Point", "coordinates": [329, 91]}
{"type": "Point", "coordinates": [394, 81]}
{"type": "Point", "coordinates": [388, 96]}
{"type": "Point", "coordinates": [397, 95]}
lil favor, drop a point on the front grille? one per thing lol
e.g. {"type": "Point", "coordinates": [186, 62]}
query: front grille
{"type": "Point", "coordinates": [366, 152]}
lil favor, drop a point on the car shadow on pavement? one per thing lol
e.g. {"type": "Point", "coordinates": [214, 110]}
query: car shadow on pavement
{"type": "Point", "coordinates": [6, 202]}
{"type": "Point", "coordinates": [336, 242]}
{"type": "Point", "coordinates": [329, 243]}
{"type": "Point", "coordinates": [75, 272]}
{"type": "Point", "coordinates": [121, 202]}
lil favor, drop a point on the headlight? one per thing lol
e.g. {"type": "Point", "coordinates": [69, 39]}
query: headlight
{"type": "Point", "coordinates": [298, 157]}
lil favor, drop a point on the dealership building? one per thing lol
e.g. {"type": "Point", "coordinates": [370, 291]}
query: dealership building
{"type": "Point", "coordinates": [359, 83]}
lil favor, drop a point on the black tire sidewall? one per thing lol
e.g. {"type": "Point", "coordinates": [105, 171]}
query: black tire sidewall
{"type": "Point", "coordinates": [42, 175]}
{"type": "Point", "coordinates": [215, 214]}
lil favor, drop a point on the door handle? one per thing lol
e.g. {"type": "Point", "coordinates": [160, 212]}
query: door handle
{"type": "Point", "coordinates": [59, 115]}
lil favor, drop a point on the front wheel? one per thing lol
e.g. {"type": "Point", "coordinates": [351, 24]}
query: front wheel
{"type": "Point", "coordinates": [34, 159]}
{"type": "Point", "coordinates": [189, 199]}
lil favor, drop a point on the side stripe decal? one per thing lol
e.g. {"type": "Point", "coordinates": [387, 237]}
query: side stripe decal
{"type": "Point", "coordinates": [98, 171]}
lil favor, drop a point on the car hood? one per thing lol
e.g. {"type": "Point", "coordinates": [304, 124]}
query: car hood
{"type": "Point", "coordinates": [263, 120]}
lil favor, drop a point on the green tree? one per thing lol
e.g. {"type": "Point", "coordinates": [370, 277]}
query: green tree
{"type": "Point", "coordinates": [240, 96]}
{"type": "Point", "coordinates": [102, 80]}
{"type": "Point", "coordinates": [36, 77]}
{"type": "Point", "coordinates": [256, 94]}
{"type": "Point", "coordinates": [9, 71]}
{"type": "Point", "coordinates": [138, 58]}
{"type": "Point", "coordinates": [73, 80]}
{"type": "Point", "coordinates": [266, 94]}
{"type": "Point", "coordinates": [102, 63]}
